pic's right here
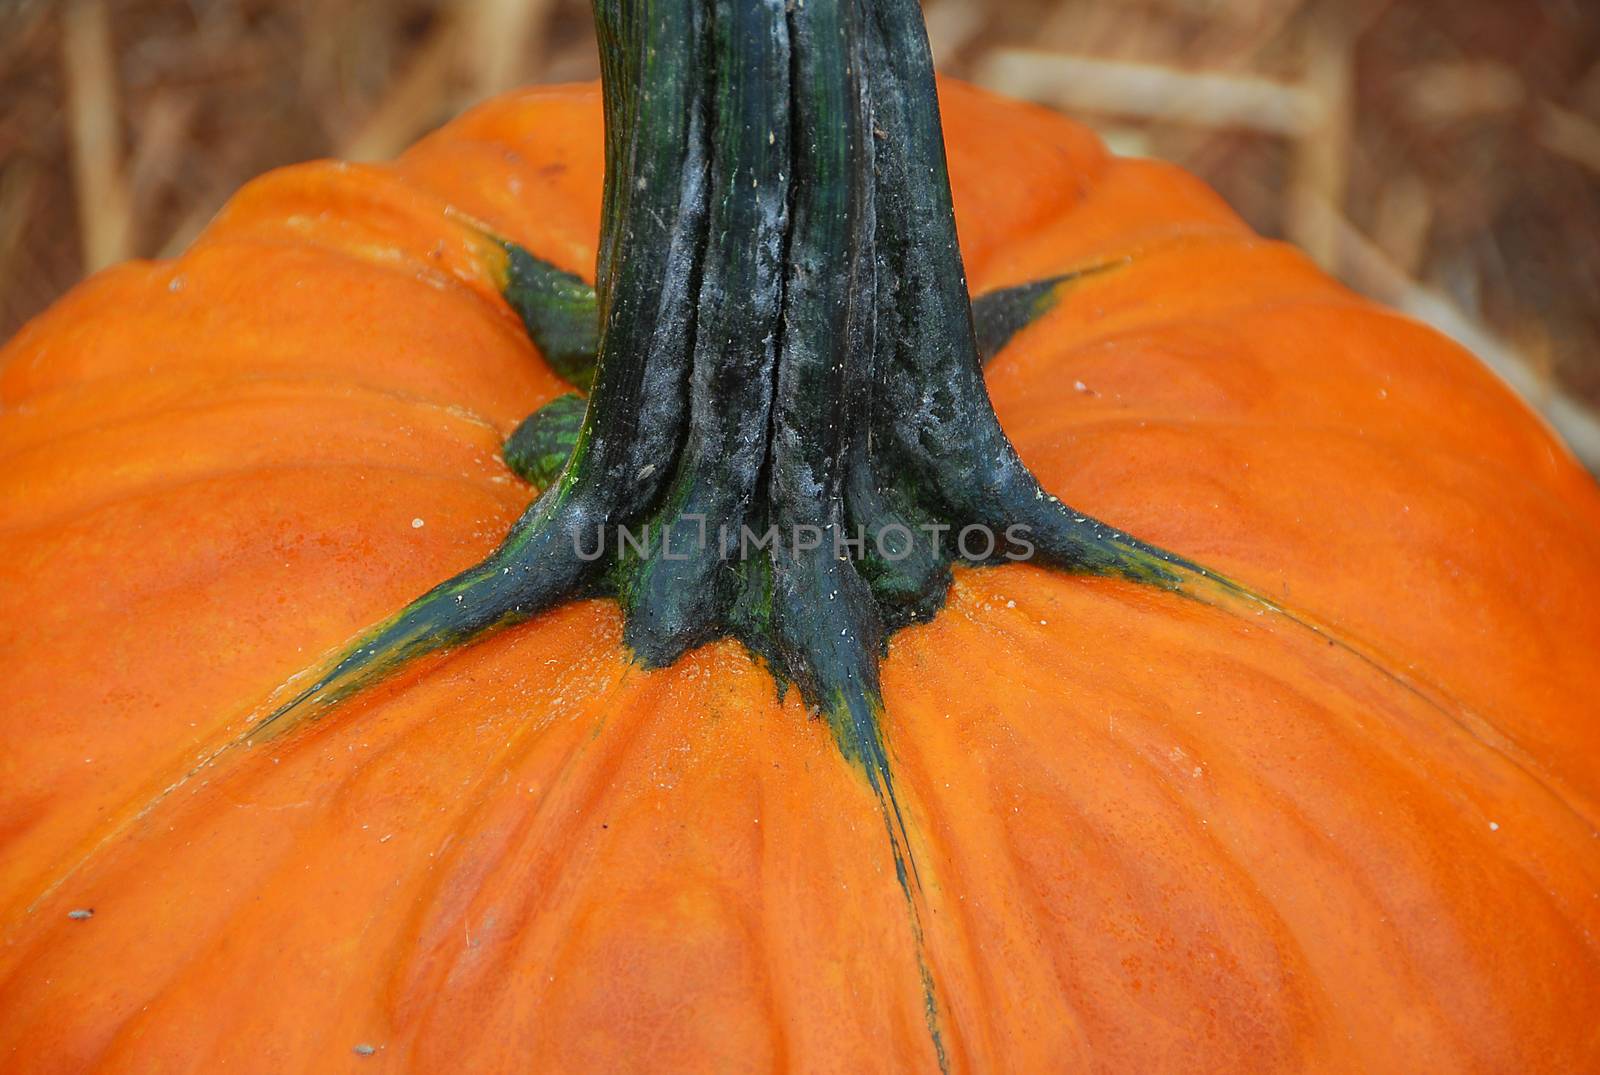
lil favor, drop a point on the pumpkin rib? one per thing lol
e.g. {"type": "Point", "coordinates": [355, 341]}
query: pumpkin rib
{"type": "Point", "coordinates": [1566, 911]}
{"type": "Point", "coordinates": [1070, 338]}
{"type": "Point", "coordinates": [964, 1023]}
{"type": "Point", "coordinates": [1044, 912]}
{"type": "Point", "coordinates": [87, 417]}
{"type": "Point", "coordinates": [1075, 986]}
{"type": "Point", "coordinates": [82, 394]}
{"type": "Point", "coordinates": [1166, 790]}
{"type": "Point", "coordinates": [1353, 620]}
{"type": "Point", "coordinates": [134, 606]}
{"type": "Point", "coordinates": [1040, 653]}
{"type": "Point", "coordinates": [1131, 203]}
{"type": "Point", "coordinates": [1068, 199]}
{"type": "Point", "coordinates": [570, 249]}
{"type": "Point", "coordinates": [1466, 719]}
{"type": "Point", "coordinates": [177, 761]}
{"type": "Point", "coordinates": [356, 210]}
{"type": "Point", "coordinates": [1535, 883]}
{"type": "Point", "coordinates": [1077, 166]}
{"type": "Point", "coordinates": [1082, 267]}
{"type": "Point", "coordinates": [1055, 424]}
{"type": "Point", "coordinates": [230, 433]}
{"type": "Point", "coordinates": [236, 473]}
{"type": "Point", "coordinates": [82, 531]}
{"type": "Point", "coordinates": [576, 804]}
{"type": "Point", "coordinates": [425, 893]}
{"type": "Point", "coordinates": [1414, 975]}
{"type": "Point", "coordinates": [452, 375]}
{"type": "Point", "coordinates": [34, 341]}
{"type": "Point", "coordinates": [1526, 435]}
{"type": "Point", "coordinates": [491, 303]}
{"type": "Point", "coordinates": [590, 805]}
{"type": "Point", "coordinates": [548, 140]}
{"type": "Point", "coordinates": [648, 720]}
{"type": "Point", "coordinates": [1582, 830]}
{"type": "Point", "coordinates": [1092, 434]}
{"type": "Point", "coordinates": [1308, 299]}
{"type": "Point", "coordinates": [224, 742]}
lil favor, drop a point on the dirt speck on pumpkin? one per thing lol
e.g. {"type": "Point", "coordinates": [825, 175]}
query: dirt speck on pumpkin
{"type": "Point", "coordinates": [81, 914]}
{"type": "Point", "coordinates": [365, 1050]}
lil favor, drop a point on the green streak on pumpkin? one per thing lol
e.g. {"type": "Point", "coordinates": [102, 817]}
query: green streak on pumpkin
{"type": "Point", "coordinates": [997, 316]}
{"type": "Point", "coordinates": [856, 719]}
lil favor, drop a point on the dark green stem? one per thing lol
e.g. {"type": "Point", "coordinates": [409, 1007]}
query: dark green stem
{"type": "Point", "coordinates": [788, 435]}
{"type": "Point", "coordinates": [788, 431]}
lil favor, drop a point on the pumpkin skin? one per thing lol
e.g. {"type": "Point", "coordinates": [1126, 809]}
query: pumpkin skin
{"type": "Point", "coordinates": [1152, 835]}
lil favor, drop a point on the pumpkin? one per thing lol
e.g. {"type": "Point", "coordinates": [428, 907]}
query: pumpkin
{"type": "Point", "coordinates": [1301, 778]}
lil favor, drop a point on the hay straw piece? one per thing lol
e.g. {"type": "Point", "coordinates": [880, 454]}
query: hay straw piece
{"type": "Point", "coordinates": [1441, 93]}
{"type": "Point", "coordinates": [1402, 221]}
{"type": "Point", "coordinates": [94, 122]}
{"type": "Point", "coordinates": [163, 135]}
{"type": "Point", "coordinates": [504, 42]}
{"type": "Point", "coordinates": [414, 100]}
{"type": "Point", "coordinates": [1569, 135]}
{"type": "Point", "coordinates": [1149, 91]}
{"type": "Point", "coordinates": [952, 26]}
{"type": "Point", "coordinates": [1320, 166]}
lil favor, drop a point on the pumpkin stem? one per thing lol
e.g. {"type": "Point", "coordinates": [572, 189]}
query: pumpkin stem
{"type": "Point", "coordinates": [788, 439]}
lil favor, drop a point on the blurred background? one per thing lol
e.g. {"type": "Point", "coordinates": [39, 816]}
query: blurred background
{"type": "Point", "coordinates": [1442, 156]}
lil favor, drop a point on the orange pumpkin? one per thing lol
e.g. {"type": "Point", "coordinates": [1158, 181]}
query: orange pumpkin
{"type": "Point", "coordinates": [1151, 834]}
